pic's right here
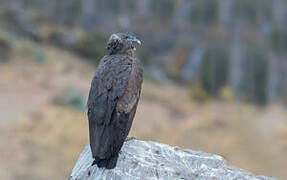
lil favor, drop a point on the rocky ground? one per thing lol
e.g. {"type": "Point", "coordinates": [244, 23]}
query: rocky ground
{"type": "Point", "coordinates": [41, 138]}
{"type": "Point", "coordinates": [151, 160]}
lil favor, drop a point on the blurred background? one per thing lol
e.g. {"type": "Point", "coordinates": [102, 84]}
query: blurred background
{"type": "Point", "coordinates": [215, 79]}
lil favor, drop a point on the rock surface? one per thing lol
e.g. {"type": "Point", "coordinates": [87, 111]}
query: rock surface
{"type": "Point", "coordinates": [152, 160]}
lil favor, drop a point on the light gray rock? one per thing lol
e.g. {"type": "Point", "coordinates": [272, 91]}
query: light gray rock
{"type": "Point", "coordinates": [151, 160]}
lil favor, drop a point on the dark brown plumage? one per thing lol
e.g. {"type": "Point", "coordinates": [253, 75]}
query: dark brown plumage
{"type": "Point", "coordinates": [113, 98]}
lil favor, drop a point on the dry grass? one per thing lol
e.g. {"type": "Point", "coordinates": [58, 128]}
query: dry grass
{"type": "Point", "coordinates": [58, 132]}
{"type": "Point", "coordinates": [45, 140]}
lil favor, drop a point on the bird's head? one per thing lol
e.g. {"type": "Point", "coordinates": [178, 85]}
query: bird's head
{"type": "Point", "coordinates": [122, 43]}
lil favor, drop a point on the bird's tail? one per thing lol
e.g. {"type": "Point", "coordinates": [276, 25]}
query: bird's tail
{"type": "Point", "coordinates": [106, 163]}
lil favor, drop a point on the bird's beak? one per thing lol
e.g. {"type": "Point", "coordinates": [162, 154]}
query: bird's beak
{"type": "Point", "coordinates": [137, 41]}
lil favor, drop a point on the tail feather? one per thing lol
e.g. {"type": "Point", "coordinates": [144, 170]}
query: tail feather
{"type": "Point", "coordinates": [106, 163]}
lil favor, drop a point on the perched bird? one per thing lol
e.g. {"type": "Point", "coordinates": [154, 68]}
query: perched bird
{"type": "Point", "coordinates": [113, 98]}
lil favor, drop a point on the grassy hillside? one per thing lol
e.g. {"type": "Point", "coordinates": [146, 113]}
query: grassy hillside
{"type": "Point", "coordinates": [41, 135]}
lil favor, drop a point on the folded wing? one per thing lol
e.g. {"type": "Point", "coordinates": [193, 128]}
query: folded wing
{"type": "Point", "coordinates": [112, 103]}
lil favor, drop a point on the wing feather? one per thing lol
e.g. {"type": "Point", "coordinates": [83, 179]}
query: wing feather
{"type": "Point", "coordinates": [108, 86]}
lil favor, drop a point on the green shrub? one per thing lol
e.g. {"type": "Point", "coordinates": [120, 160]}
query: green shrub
{"type": "Point", "coordinates": [92, 46]}
{"type": "Point", "coordinates": [204, 12]}
{"type": "Point", "coordinates": [5, 50]}
{"type": "Point", "coordinates": [164, 9]}
{"type": "Point", "coordinates": [250, 11]}
{"type": "Point", "coordinates": [197, 93]}
{"type": "Point", "coordinates": [279, 41]}
{"type": "Point", "coordinates": [214, 68]}
{"type": "Point", "coordinates": [226, 93]}
{"type": "Point", "coordinates": [253, 86]}
{"type": "Point", "coordinates": [71, 97]}
{"type": "Point", "coordinates": [31, 49]}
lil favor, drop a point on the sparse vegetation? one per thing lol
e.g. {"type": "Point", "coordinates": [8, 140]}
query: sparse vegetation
{"type": "Point", "coordinates": [5, 50]}
{"type": "Point", "coordinates": [214, 68]}
{"type": "Point", "coordinates": [234, 53]}
{"type": "Point", "coordinates": [225, 93]}
{"type": "Point", "coordinates": [92, 46]}
{"type": "Point", "coordinates": [71, 97]}
{"type": "Point", "coordinates": [197, 93]}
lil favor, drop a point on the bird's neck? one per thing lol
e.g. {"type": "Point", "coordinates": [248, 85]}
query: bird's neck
{"type": "Point", "coordinates": [130, 53]}
{"type": "Point", "coordinates": [126, 53]}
